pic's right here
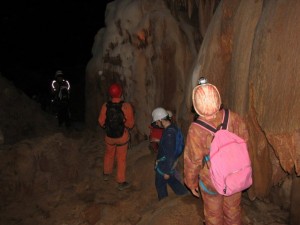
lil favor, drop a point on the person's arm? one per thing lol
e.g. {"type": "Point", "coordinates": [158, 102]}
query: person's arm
{"type": "Point", "coordinates": [193, 155]}
{"type": "Point", "coordinates": [102, 116]}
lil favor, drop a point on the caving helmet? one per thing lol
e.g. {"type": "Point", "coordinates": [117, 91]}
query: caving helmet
{"type": "Point", "coordinates": [58, 73]}
{"type": "Point", "coordinates": [169, 113]}
{"type": "Point", "coordinates": [206, 98]}
{"type": "Point", "coordinates": [159, 114]}
{"type": "Point", "coordinates": [115, 90]}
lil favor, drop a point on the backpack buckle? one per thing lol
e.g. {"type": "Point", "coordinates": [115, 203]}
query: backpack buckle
{"type": "Point", "coordinates": [205, 161]}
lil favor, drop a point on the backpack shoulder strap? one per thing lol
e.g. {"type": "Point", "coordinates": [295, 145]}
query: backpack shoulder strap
{"type": "Point", "coordinates": [224, 124]}
{"type": "Point", "coordinates": [114, 103]}
{"type": "Point", "coordinates": [206, 126]}
{"type": "Point", "coordinates": [108, 103]}
{"type": "Point", "coordinates": [209, 127]}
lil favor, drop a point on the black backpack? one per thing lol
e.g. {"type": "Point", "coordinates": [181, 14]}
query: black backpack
{"type": "Point", "coordinates": [63, 94]}
{"type": "Point", "coordinates": [115, 119]}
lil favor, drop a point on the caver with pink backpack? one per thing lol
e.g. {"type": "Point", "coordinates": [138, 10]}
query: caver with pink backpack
{"type": "Point", "coordinates": [222, 206]}
{"type": "Point", "coordinates": [230, 166]}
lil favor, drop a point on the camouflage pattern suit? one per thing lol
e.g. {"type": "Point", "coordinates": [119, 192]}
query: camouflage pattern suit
{"type": "Point", "coordinates": [218, 209]}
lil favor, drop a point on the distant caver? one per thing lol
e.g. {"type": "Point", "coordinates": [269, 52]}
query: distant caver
{"type": "Point", "coordinates": [60, 89]}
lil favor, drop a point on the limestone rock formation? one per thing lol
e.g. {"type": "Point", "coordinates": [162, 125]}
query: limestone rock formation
{"type": "Point", "coordinates": [147, 50]}
{"type": "Point", "coordinates": [249, 52]}
{"type": "Point", "coordinates": [152, 48]}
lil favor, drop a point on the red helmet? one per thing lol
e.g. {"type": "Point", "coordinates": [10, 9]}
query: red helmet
{"type": "Point", "coordinates": [115, 91]}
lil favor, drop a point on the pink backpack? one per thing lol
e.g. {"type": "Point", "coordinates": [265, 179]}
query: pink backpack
{"type": "Point", "coordinates": [230, 165]}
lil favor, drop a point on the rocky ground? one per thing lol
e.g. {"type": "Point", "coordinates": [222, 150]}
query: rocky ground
{"type": "Point", "coordinates": [57, 180]}
{"type": "Point", "coordinates": [53, 176]}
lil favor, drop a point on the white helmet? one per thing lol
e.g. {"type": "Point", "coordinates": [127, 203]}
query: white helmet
{"type": "Point", "coordinates": [159, 113]}
{"type": "Point", "coordinates": [169, 113]}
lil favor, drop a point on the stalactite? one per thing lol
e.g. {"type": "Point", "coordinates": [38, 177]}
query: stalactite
{"type": "Point", "coordinates": [190, 7]}
{"type": "Point", "coordinates": [206, 9]}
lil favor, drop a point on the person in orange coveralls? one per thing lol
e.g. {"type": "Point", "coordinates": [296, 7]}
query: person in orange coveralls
{"type": "Point", "coordinates": [117, 146]}
{"type": "Point", "coordinates": [218, 209]}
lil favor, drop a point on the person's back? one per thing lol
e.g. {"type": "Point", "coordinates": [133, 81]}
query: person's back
{"type": "Point", "coordinates": [60, 89]}
{"type": "Point", "coordinates": [218, 209]}
{"type": "Point", "coordinates": [115, 119]}
{"type": "Point", "coordinates": [64, 91]}
{"type": "Point", "coordinates": [127, 110]}
{"type": "Point", "coordinates": [116, 141]}
{"type": "Point", "coordinates": [166, 157]}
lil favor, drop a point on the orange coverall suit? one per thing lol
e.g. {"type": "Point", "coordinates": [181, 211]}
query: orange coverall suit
{"type": "Point", "coordinates": [117, 146]}
{"type": "Point", "coordinates": [218, 209]}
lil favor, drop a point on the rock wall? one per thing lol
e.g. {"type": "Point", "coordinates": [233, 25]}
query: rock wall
{"type": "Point", "coordinates": [249, 52]}
{"type": "Point", "coordinates": [149, 52]}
